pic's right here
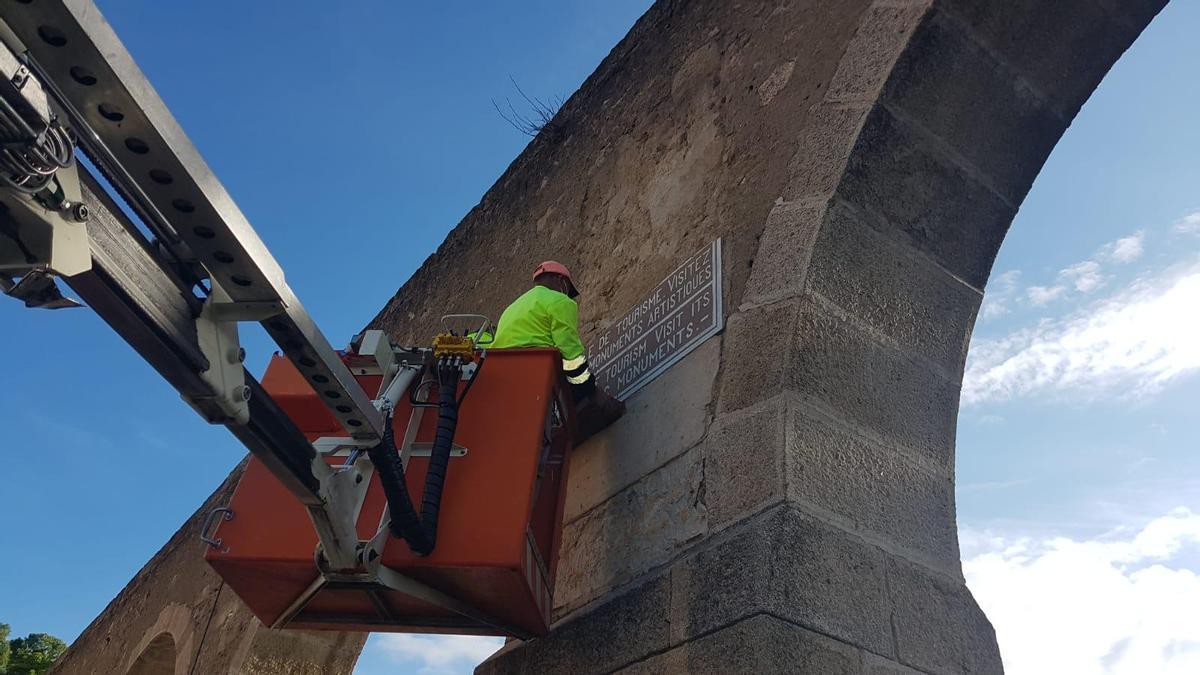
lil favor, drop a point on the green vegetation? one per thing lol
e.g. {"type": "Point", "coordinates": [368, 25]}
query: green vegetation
{"type": "Point", "coordinates": [30, 655]}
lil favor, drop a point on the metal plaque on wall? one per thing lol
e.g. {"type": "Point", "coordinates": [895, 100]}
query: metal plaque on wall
{"type": "Point", "coordinates": [676, 317]}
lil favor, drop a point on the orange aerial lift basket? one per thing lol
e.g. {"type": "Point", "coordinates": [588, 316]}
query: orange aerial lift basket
{"type": "Point", "coordinates": [492, 569]}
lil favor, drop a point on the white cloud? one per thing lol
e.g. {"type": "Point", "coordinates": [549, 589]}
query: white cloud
{"type": "Point", "coordinates": [438, 654]}
{"type": "Point", "coordinates": [1134, 342]}
{"type": "Point", "coordinates": [1109, 605]}
{"type": "Point", "coordinates": [993, 485]}
{"type": "Point", "coordinates": [1088, 275]}
{"type": "Point", "coordinates": [1126, 249]}
{"type": "Point", "coordinates": [1000, 290]}
{"type": "Point", "coordinates": [1189, 224]}
{"type": "Point", "coordinates": [1041, 295]}
{"type": "Point", "coordinates": [992, 309]}
{"type": "Point", "coordinates": [1084, 276]}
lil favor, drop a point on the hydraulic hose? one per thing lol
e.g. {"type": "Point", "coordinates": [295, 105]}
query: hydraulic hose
{"type": "Point", "coordinates": [420, 530]}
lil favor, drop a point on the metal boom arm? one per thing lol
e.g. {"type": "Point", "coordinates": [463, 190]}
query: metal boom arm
{"type": "Point", "coordinates": [127, 130]}
{"type": "Point", "coordinates": [175, 297]}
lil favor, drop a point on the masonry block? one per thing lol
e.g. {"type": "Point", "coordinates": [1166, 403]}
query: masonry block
{"type": "Point", "coordinates": [840, 366]}
{"type": "Point", "coordinates": [625, 629]}
{"type": "Point", "coordinates": [1063, 48]}
{"type": "Point", "coordinates": [882, 34]}
{"type": "Point", "coordinates": [757, 341]}
{"type": "Point", "coordinates": [642, 526]}
{"type": "Point", "coordinates": [993, 117]}
{"type": "Point", "coordinates": [307, 653]}
{"type": "Point", "coordinates": [939, 626]}
{"type": "Point", "coordinates": [876, 489]}
{"type": "Point", "coordinates": [874, 664]}
{"type": "Point", "coordinates": [894, 288]}
{"type": "Point", "coordinates": [823, 149]}
{"type": "Point", "coordinates": [1133, 13]}
{"type": "Point", "coordinates": [792, 566]}
{"type": "Point", "coordinates": [761, 644]}
{"type": "Point", "coordinates": [644, 439]}
{"type": "Point", "coordinates": [746, 451]}
{"type": "Point", "coordinates": [922, 194]}
{"type": "Point", "coordinates": [784, 251]}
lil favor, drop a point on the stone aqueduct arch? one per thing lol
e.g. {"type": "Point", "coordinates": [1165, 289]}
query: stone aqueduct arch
{"type": "Point", "coordinates": [159, 657]}
{"type": "Point", "coordinates": [782, 499]}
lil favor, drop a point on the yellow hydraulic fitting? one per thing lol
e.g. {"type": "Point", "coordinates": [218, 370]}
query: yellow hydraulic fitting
{"type": "Point", "coordinates": [448, 345]}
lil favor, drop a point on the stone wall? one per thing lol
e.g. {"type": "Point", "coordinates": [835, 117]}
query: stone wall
{"type": "Point", "coordinates": [782, 499]}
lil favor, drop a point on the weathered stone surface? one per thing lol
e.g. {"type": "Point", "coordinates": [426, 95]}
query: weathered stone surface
{"type": "Point", "coordinates": [939, 627]}
{"type": "Point", "coordinates": [822, 151]}
{"type": "Point", "coordinates": [873, 488]}
{"type": "Point", "coordinates": [882, 35]}
{"type": "Point", "coordinates": [786, 246]}
{"type": "Point", "coordinates": [667, 146]}
{"type": "Point", "coordinates": [993, 118]}
{"type": "Point", "coordinates": [623, 630]}
{"type": "Point", "coordinates": [793, 566]}
{"type": "Point", "coordinates": [839, 365]}
{"type": "Point", "coordinates": [877, 665]}
{"type": "Point", "coordinates": [308, 653]}
{"type": "Point", "coordinates": [892, 287]}
{"type": "Point", "coordinates": [745, 453]}
{"type": "Point", "coordinates": [755, 340]}
{"type": "Point", "coordinates": [661, 421]}
{"type": "Point", "coordinates": [906, 179]}
{"type": "Point", "coordinates": [1133, 13]}
{"type": "Point", "coordinates": [1045, 41]}
{"type": "Point", "coordinates": [642, 526]}
{"type": "Point", "coordinates": [761, 644]}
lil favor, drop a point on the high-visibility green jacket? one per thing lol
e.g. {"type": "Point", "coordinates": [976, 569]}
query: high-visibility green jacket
{"type": "Point", "coordinates": [543, 317]}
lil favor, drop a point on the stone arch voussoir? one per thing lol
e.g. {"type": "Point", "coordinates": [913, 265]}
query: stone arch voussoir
{"type": "Point", "coordinates": [166, 646]}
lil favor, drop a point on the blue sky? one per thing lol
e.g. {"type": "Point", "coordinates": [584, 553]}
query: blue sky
{"type": "Point", "coordinates": [1077, 462]}
{"type": "Point", "coordinates": [1078, 472]}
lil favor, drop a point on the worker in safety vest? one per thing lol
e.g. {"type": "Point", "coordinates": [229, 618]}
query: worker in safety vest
{"type": "Point", "coordinates": [548, 316]}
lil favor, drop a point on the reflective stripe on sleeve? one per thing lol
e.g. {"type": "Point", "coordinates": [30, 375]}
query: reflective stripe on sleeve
{"type": "Point", "coordinates": [572, 364]}
{"type": "Point", "coordinates": [581, 378]}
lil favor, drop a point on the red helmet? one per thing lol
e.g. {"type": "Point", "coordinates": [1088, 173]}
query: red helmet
{"type": "Point", "coordinates": [553, 267]}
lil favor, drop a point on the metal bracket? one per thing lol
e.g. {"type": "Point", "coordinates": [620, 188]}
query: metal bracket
{"type": "Point", "coordinates": [37, 289]}
{"type": "Point", "coordinates": [217, 335]}
{"type": "Point", "coordinates": [376, 345]}
{"type": "Point", "coordinates": [336, 520]}
{"type": "Point", "coordinates": [247, 311]}
{"type": "Point", "coordinates": [373, 578]}
{"type": "Point", "coordinates": [43, 229]}
{"type": "Point", "coordinates": [208, 523]}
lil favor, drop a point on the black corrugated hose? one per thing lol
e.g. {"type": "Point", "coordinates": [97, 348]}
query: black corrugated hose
{"type": "Point", "coordinates": [420, 531]}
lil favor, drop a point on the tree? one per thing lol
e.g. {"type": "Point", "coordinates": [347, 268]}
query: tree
{"type": "Point", "coordinates": [4, 649]}
{"type": "Point", "coordinates": [34, 654]}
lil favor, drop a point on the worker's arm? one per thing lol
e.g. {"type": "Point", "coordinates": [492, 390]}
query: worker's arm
{"type": "Point", "coordinates": [564, 328]}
